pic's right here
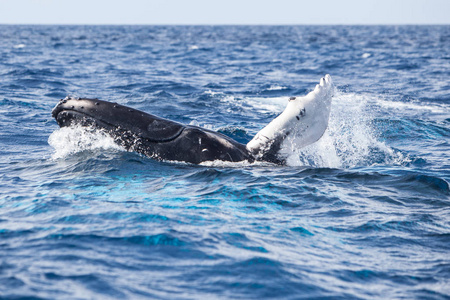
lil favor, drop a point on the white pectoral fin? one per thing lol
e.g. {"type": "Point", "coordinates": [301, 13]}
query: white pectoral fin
{"type": "Point", "coordinates": [274, 133]}
{"type": "Point", "coordinates": [304, 118]}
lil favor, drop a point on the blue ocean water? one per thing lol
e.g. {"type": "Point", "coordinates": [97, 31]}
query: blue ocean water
{"type": "Point", "coordinates": [362, 214]}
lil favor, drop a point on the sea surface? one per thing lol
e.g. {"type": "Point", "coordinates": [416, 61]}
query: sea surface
{"type": "Point", "coordinates": [364, 213]}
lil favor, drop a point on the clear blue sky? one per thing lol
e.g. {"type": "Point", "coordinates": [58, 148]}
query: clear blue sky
{"type": "Point", "coordinates": [224, 12]}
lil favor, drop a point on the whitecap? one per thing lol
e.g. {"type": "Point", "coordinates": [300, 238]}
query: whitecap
{"type": "Point", "coordinates": [276, 88]}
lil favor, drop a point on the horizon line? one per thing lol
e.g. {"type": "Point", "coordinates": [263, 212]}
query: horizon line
{"type": "Point", "coordinates": [227, 24]}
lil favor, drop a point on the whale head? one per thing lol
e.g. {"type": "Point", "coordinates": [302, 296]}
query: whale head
{"type": "Point", "coordinates": [114, 118]}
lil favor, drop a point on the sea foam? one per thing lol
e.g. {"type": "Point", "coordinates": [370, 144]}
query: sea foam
{"type": "Point", "coordinates": [69, 140]}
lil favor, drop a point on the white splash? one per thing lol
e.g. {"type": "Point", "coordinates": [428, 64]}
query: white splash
{"type": "Point", "coordinates": [350, 139]}
{"type": "Point", "coordinates": [69, 140]}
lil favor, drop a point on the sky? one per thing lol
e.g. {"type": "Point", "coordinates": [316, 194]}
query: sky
{"type": "Point", "coordinates": [183, 12]}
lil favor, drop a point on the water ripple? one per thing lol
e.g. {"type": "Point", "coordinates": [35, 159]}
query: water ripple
{"type": "Point", "coordinates": [362, 214]}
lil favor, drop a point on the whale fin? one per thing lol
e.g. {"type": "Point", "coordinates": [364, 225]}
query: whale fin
{"type": "Point", "coordinates": [303, 122]}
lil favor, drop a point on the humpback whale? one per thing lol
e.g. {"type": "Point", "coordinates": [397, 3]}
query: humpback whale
{"type": "Point", "coordinates": [305, 119]}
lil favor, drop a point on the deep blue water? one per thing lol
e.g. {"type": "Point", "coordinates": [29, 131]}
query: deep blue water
{"type": "Point", "coordinates": [362, 214]}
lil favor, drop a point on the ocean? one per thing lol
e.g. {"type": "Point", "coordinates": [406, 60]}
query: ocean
{"type": "Point", "coordinates": [364, 213]}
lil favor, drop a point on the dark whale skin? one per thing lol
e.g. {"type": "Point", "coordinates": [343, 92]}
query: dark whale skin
{"type": "Point", "coordinates": [150, 135]}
